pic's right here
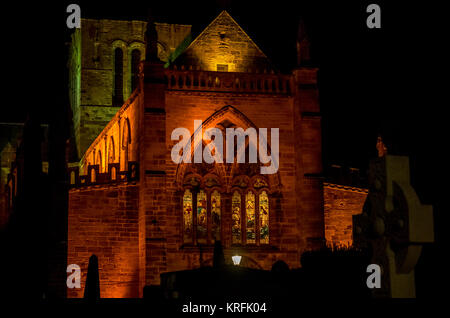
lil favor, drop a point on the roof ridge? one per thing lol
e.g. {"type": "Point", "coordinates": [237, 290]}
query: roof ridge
{"type": "Point", "coordinates": [225, 12]}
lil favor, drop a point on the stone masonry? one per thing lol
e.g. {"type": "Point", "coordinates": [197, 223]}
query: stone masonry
{"type": "Point", "coordinates": [126, 197]}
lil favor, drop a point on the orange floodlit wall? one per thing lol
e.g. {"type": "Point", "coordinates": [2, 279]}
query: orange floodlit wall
{"type": "Point", "coordinates": [340, 204]}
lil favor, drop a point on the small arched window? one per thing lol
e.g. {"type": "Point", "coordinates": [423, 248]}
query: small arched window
{"type": "Point", "coordinates": [215, 215]}
{"type": "Point", "coordinates": [113, 173]}
{"type": "Point", "coordinates": [72, 177]}
{"type": "Point", "coordinates": [135, 59]}
{"type": "Point", "coordinates": [93, 175]}
{"type": "Point", "coordinates": [126, 140]}
{"type": "Point", "coordinates": [118, 77]}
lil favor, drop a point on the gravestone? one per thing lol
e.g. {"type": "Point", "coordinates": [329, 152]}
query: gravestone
{"type": "Point", "coordinates": [394, 225]}
{"type": "Point", "coordinates": [92, 289]}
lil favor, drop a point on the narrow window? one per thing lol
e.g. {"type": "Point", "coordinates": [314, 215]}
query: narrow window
{"type": "Point", "coordinates": [250, 217]}
{"type": "Point", "coordinates": [135, 59]}
{"type": "Point", "coordinates": [93, 177]}
{"type": "Point", "coordinates": [201, 218]}
{"type": "Point", "coordinates": [118, 77]}
{"type": "Point", "coordinates": [236, 218]}
{"type": "Point", "coordinates": [99, 161]}
{"type": "Point", "coordinates": [187, 217]}
{"type": "Point", "coordinates": [111, 150]}
{"type": "Point", "coordinates": [263, 218]}
{"type": "Point", "coordinates": [126, 140]}
{"type": "Point", "coordinates": [215, 215]}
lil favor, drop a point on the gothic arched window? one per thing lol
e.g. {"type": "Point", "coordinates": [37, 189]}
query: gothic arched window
{"type": "Point", "coordinates": [202, 222]}
{"type": "Point", "coordinates": [204, 225]}
{"type": "Point", "coordinates": [248, 216]}
{"type": "Point", "coordinates": [250, 212]}
{"type": "Point", "coordinates": [135, 59]}
{"type": "Point", "coordinates": [188, 236]}
{"type": "Point", "coordinates": [111, 155]}
{"type": "Point", "coordinates": [126, 140]}
{"type": "Point", "coordinates": [118, 77]}
{"type": "Point", "coordinates": [215, 215]}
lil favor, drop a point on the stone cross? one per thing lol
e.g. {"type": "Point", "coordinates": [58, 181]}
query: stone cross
{"type": "Point", "coordinates": [394, 225]}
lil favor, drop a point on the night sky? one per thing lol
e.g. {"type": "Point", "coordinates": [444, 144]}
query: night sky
{"type": "Point", "coordinates": [370, 81]}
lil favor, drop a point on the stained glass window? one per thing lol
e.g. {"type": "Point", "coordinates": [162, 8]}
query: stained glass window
{"type": "Point", "coordinates": [250, 217]}
{"type": "Point", "coordinates": [264, 218]}
{"type": "Point", "coordinates": [187, 216]}
{"type": "Point", "coordinates": [202, 223]}
{"type": "Point", "coordinates": [215, 215]}
{"type": "Point", "coordinates": [236, 218]}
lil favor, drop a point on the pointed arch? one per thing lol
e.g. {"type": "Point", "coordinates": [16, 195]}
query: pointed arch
{"type": "Point", "coordinates": [126, 141]}
{"type": "Point", "coordinates": [126, 133]}
{"type": "Point", "coordinates": [111, 150]}
{"type": "Point", "coordinates": [226, 117]}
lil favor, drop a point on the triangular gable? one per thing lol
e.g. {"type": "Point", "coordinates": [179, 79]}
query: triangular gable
{"type": "Point", "coordinates": [224, 46]}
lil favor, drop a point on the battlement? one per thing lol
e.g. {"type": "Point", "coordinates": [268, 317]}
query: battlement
{"type": "Point", "coordinates": [95, 177]}
{"type": "Point", "coordinates": [253, 83]}
{"type": "Point", "coordinates": [345, 177]}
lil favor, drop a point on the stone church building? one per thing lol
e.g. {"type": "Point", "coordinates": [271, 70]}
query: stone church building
{"type": "Point", "coordinates": [141, 213]}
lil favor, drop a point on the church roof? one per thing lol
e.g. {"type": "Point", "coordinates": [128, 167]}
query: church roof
{"type": "Point", "coordinates": [224, 44]}
{"type": "Point", "coordinates": [224, 16]}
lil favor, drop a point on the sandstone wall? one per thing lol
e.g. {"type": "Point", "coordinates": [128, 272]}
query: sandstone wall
{"type": "Point", "coordinates": [340, 204]}
{"type": "Point", "coordinates": [224, 42]}
{"type": "Point", "coordinates": [103, 220]}
{"type": "Point", "coordinates": [99, 39]}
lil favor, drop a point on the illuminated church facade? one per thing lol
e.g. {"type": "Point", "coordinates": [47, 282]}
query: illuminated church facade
{"type": "Point", "coordinates": [141, 213]}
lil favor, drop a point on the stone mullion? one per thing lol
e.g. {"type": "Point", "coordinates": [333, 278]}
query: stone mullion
{"type": "Point", "coordinates": [194, 216]}
{"type": "Point", "coordinates": [105, 156]}
{"type": "Point", "coordinates": [275, 218]}
{"type": "Point", "coordinates": [243, 220]}
{"type": "Point", "coordinates": [119, 145]}
{"type": "Point", "coordinates": [208, 218]}
{"type": "Point", "coordinates": [257, 226]}
{"type": "Point", "coordinates": [226, 219]}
